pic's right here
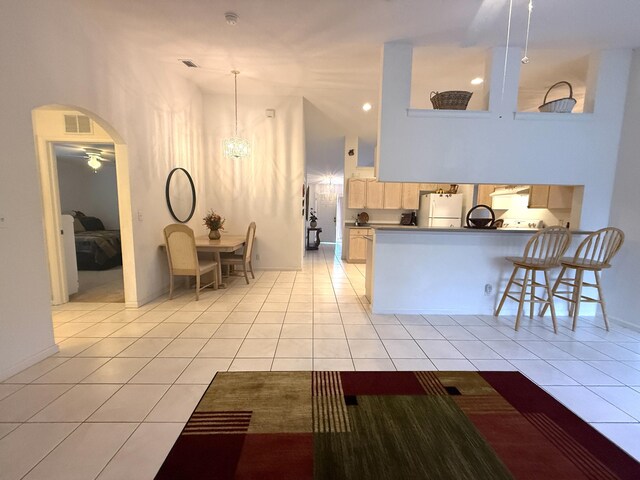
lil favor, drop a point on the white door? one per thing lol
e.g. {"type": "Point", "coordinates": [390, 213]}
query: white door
{"type": "Point", "coordinates": [326, 212]}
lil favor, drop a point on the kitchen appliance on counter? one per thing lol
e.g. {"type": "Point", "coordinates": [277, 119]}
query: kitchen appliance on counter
{"type": "Point", "coordinates": [482, 216]}
{"type": "Point", "coordinates": [362, 218]}
{"type": "Point", "coordinates": [442, 210]}
{"type": "Point", "coordinates": [408, 219]}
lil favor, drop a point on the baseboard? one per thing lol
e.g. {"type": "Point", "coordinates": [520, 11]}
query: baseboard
{"type": "Point", "coordinates": [28, 362]}
{"type": "Point", "coordinates": [624, 323]}
{"type": "Point", "coordinates": [471, 311]}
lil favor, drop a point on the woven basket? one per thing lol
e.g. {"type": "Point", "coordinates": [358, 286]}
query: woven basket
{"type": "Point", "coordinates": [451, 100]}
{"type": "Point", "coordinates": [561, 105]}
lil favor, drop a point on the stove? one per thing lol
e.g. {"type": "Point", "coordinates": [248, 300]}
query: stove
{"type": "Point", "coordinates": [522, 224]}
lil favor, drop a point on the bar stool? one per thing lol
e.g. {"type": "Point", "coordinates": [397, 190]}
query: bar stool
{"type": "Point", "coordinates": [594, 254]}
{"type": "Point", "coordinates": [542, 253]}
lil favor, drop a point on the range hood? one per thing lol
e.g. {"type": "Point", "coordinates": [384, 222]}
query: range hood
{"type": "Point", "coordinates": [511, 190]}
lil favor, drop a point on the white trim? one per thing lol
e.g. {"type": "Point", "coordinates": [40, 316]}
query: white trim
{"type": "Point", "coordinates": [28, 362]}
{"type": "Point", "coordinates": [554, 117]}
{"type": "Point", "coordinates": [428, 113]}
{"type": "Point", "coordinates": [624, 323]}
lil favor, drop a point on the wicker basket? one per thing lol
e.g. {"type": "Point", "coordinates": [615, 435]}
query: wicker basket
{"type": "Point", "coordinates": [561, 105]}
{"type": "Point", "coordinates": [451, 100]}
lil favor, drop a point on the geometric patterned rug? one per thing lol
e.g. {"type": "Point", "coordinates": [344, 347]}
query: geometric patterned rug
{"type": "Point", "coordinates": [388, 425]}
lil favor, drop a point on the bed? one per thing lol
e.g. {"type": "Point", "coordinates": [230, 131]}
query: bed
{"type": "Point", "coordinates": [96, 248]}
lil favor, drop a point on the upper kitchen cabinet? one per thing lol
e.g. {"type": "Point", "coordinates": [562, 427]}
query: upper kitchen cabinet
{"type": "Point", "coordinates": [546, 69]}
{"type": "Point", "coordinates": [440, 69]}
{"type": "Point", "coordinates": [357, 193]}
{"type": "Point", "coordinates": [392, 196]}
{"type": "Point", "coordinates": [551, 196]}
{"type": "Point", "coordinates": [375, 194]}
{"type": "Point", "coordinates": [410, 196]}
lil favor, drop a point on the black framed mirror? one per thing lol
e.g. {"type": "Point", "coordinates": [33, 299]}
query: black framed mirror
{"type": "Point", "coordinates": [181, 195]}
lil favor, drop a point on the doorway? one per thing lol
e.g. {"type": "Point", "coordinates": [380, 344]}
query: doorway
{"type": "Point", "coordinates": [87, 184]}
{"type": "Point", "coordinates": [77, 152]}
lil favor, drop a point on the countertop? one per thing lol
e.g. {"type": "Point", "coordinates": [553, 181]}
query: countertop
{"type": "Point", "coordinates": [411, 228]}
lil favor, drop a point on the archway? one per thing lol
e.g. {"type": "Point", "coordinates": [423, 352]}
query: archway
{"type": "Point", "coordinates": [53, 124]}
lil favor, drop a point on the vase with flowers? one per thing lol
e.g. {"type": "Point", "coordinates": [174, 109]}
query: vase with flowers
{"type": "Point", "coordinates": [314, 219]}
{"type": "Point", "coordinates": [214, 223]}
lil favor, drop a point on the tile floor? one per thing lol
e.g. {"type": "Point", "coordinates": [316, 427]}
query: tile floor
{"type": "Point", "coordinates": [111, 403]}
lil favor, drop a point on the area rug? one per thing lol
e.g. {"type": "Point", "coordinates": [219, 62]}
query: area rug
{"type": "Point", "coordinates": [388, 425]}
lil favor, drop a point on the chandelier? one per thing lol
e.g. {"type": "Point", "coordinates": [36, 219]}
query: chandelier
{"type": "Point", "coordinates": [236, 146]}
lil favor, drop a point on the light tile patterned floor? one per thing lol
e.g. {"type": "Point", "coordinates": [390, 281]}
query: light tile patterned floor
{"type": "Point", "coordinates": [111, 403]}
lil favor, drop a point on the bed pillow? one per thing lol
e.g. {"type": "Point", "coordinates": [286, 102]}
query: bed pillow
{"type": "Point", "coordinates": [91, 224]}
{"type": "Point", "coordinates": [77, 225]}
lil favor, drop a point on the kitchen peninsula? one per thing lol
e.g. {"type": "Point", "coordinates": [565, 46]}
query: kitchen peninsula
{"type": "Point", "coordinates": [414, 270]}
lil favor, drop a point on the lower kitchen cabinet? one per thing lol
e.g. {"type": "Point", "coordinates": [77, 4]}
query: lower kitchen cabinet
{"type": "Point", "coordinates": [357, 249]}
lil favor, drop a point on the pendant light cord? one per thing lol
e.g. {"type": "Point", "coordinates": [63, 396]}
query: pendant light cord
{"type": "Point", "coordinates": [506, 51]}
{"type": "Point", "coordinates": [525, 59]}
{"type": "Point", "coordinates": [235, 89]}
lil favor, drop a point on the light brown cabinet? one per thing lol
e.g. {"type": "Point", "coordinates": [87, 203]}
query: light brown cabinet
{"type": "Point", "coordinates": [560, 197]}
{"type": "Point", "coordinates": [551, 196]}
{"type": "Point", "coordinates": [357, 251]}
{"type": "Point", "coordinates": [375, 194]}
{"type": "Point", "coordinates": [392, 196]}
{"type": "Point", "coordinates": [484, 194]}
{"type": "Point", "coordinates": [357, 193]}
{"type": "Point", "coordinates": [410, 196]}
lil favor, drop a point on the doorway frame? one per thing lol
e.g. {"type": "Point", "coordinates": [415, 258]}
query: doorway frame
{"type": "Point", "coordinates": [50, 191]}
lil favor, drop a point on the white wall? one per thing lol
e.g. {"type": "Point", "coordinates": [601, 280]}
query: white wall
{"type": "Point", "coordinates": [267, 186]}
{"type": "Point", "coordinates": [72, 60]}
{"type": "Point", "coordinates": [94, 194]}
{"type": "Point", "coordinates": [324, 144]}
{"type": "Point", "coordinates": [621, 282]}
{"type": "Point", "coordinates": [427, 272]}
{"type": "Point", "coordinates": [498, 147]}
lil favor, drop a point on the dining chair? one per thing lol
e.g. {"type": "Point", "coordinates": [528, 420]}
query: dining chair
{"type": "Point", "coordinates": [541, 254]}
{"type": "Point", "coordinates": [244, 259]}
{"type": "Point", "coordinates": [594, 254]}
{"type": "Point", "coordinates": [183, 257]}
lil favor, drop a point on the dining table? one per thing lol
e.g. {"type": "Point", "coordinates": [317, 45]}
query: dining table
{"type": "Point", "coordinates": [225, 244]}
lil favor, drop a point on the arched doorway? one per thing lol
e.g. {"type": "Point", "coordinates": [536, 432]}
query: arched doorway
{"type": "Point", "coordinates": [64, 124]}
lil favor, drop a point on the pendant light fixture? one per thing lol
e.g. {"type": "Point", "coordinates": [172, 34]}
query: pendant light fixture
{"type": "Point", "coordinates": [236, 146]}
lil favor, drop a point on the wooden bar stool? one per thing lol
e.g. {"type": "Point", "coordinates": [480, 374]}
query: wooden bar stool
{"type": "Point", "coordinates": [594, 254]}
{"type": "Point", "coordinates": [542, 253]}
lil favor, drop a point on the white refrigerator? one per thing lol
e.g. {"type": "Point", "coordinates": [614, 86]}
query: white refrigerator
{"type": "Point", "coordinates": [441, 210]}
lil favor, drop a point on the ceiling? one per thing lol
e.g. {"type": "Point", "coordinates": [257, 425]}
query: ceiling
{"type": "Point", "coordinates": [329, 51]}
{"type": "Point", "coordinates": [75, 152]}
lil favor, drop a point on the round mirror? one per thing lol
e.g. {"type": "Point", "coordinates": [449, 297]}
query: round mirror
{"type": "Point", "coordinates": [181, 195]}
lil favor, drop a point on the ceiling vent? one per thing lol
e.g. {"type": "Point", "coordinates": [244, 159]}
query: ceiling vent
{"type": "Point", "coordinates": [189, 63]}
{"type": "Point", "coordinates": [77, 124]}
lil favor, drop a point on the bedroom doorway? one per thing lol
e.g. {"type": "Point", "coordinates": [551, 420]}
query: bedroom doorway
{"type": "Point", "coordinates": [84, 162]}
{"type": "Point", "coordinates": [87, 184]}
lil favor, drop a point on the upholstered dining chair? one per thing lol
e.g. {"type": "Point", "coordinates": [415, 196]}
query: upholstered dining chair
{"type": "Point", "coordinates": [244, 260]}
{"type": "Point", "coordinates": [594, 254]}
{"type": "Point", "coordinates": [542, 254]}
{"type": "Point", "coordinates": [183, 257]}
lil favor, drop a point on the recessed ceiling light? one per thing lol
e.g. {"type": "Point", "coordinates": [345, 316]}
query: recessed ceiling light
{"type": "Point", "coordinates": [477, 81]}
{"type": "Point", "coordinates": [366, 107]}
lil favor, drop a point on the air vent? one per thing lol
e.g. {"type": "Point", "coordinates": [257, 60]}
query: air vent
{"type": "Point", "coordinates": [189, 63]}
{"type": "Point", "coordinates": [77, 124]}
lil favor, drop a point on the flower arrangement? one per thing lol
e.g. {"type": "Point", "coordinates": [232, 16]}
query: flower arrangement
{"type": "Point", "coordinates": [213, 221]}
{"type": "Point", "coordinates": [312, 216]}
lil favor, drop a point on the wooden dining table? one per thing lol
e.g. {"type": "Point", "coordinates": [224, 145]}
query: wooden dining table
{"type": "Point", "coordinates": [225, 244]}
